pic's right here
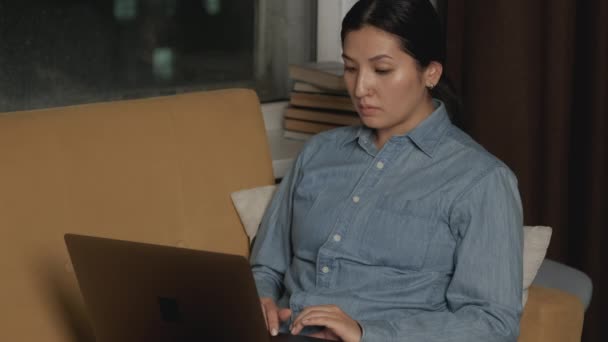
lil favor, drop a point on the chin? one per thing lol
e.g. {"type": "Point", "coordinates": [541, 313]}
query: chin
{"type": "Point", "coordinates": [371, 122]}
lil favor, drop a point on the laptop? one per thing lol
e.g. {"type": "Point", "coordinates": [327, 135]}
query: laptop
{"type": "Point", "coordinates": [143, 292]}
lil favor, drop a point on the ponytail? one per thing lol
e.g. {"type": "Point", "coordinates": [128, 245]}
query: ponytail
{"type": "Point", "coordinates": [444, 91]}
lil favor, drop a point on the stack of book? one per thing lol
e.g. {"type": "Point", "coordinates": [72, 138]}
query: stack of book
{"type": "Point", "coordinates": [319, 100]}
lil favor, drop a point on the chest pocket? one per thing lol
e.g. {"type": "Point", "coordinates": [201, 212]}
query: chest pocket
{"type": "Point", "coordinates": [398, 233]}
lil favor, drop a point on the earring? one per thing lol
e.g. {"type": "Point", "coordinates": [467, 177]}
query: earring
{"type": "Point", "coordinates": [430, 86]}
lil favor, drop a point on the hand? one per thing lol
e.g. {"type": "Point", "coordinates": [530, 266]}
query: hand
{"type": "Point", "coordinates": [272, 315]}
{"type": "Point", "coordinates": [338, 325]}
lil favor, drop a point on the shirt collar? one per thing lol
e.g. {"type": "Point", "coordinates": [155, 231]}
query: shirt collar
{"type": "Point", "coordinates": [426, 136]}
{"type": "Point", "coordinates": [364, 136]}
{"type": "Point", "coordinates": [359, 133]}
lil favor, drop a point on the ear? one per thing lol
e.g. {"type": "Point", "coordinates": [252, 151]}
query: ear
{"type": "Point", "coordinates": [432, 74]}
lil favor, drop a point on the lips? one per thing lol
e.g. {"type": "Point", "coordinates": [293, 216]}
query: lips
{"type": "Point", "coordinates": [367, 109]}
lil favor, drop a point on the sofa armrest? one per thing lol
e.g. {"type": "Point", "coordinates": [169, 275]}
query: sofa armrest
{"type": "Point", "coordinates": [556, 275]}
{"type": "Point", "coordinates": [551, 315]}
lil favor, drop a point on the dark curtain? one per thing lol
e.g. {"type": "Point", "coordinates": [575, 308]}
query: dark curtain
{"type": "Point", "coordinates": [532, 77]}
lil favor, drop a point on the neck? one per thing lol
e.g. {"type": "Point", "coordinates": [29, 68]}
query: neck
{"type": "Point", "coordinates": [424, 111]}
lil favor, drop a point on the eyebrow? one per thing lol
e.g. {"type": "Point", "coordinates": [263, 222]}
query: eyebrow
{"type": "Point", "coordinates": [373, 59]}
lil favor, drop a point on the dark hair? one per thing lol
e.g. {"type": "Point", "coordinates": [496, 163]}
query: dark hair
{"type": "Point", "coordinates": [417, 26]}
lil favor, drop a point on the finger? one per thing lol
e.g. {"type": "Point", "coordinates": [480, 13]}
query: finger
{"type": "Point", "coordinates": [305, 319]}
{"type": "Point", "coordinates": [265, 316]}
{"type": "Point", "coordinates": [331, 323]}
{"type": "Point", "coordinates": [305, 313]}
{"type": "Point", "coordinates": [322, 320]}
{"type": "Point", "coordinates": [323, 308]}
{"type": "Point", "coordinates": [284, 314]}
{"type": "Point", "coordinates": [272, 316]}
{"type": "Point", "coordinates": [326, 308]}
{"type": "Point", "coordinates": [338, 326]}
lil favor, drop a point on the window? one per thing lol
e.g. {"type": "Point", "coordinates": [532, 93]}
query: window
{"type": "Point", "coordinates": [63, 52]}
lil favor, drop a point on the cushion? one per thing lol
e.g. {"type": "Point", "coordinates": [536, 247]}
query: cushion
{"type": "Point", "coordinates": [536, 241]}
{"type": "Point", "coordinates": [251, 204]}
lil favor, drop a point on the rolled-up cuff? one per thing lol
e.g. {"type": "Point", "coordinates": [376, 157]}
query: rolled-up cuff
{"type": "Point", "coordinates": [267, 288]}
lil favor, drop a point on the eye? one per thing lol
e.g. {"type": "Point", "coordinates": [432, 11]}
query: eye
{"type": "Point", "coordinates": [349, 69]}
{"type": "Point", "coordinates": [383, 71]}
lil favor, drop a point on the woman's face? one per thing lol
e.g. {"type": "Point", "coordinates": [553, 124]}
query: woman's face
{"type": "Point", "coordinates": [386, 85]}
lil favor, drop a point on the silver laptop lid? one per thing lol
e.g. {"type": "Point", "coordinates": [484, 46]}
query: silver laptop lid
{"type": "Point", "coordinates": [142, 292]}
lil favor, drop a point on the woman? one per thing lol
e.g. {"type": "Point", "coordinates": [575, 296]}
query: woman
{"type": "Point", "coordinates": [403, 229]}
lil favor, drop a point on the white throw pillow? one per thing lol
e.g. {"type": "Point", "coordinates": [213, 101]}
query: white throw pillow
{"type": "Point", "coordinates": [251, 204]}
{"type": "Point", "coordinates": [536, 241]}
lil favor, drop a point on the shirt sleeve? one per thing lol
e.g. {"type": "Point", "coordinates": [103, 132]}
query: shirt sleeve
{"type": "Point", "coordinates": [272, 253]}
{"type": "Point", "coordinates": [484, 295]}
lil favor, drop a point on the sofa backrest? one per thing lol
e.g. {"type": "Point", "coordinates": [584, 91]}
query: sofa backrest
{"type": "Point", "coordinates": [156, 170]}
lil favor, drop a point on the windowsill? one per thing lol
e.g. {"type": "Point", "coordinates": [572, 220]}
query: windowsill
{"type": "Point", "coordinates": [283, 151]}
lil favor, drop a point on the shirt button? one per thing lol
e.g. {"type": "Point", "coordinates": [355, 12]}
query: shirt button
{"type": "Point", "coordinates": [380, 165]}
{"type": "Point", "coordinates": [337, 238]}
{"type": "Point", "coordinates": [325, 269]}
{"type": "Point", "coordinates": [356, 199]}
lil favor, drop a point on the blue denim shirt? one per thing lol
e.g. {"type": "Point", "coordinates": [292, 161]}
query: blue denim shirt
{"type": "Point", "coordinates": [418, 241]}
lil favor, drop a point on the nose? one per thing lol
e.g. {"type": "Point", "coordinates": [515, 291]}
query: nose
{"type": "Point", "coordinates": [363, 86]}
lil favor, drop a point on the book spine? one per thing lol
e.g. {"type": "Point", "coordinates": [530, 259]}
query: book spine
{"type": "Point", "coordinates": [323, 101]}
{"type": "Point", "coordinates": [321, 116]}
{"type": "Point", "coordinates": [297, 135]}
{"type": "Point", "coordinates": [303, 87]}
{"type": "Point", "coordinates": [307, 126]}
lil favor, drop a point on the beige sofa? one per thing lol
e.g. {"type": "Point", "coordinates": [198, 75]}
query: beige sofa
{"type": "Point", "coordinates": [157, 170]}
